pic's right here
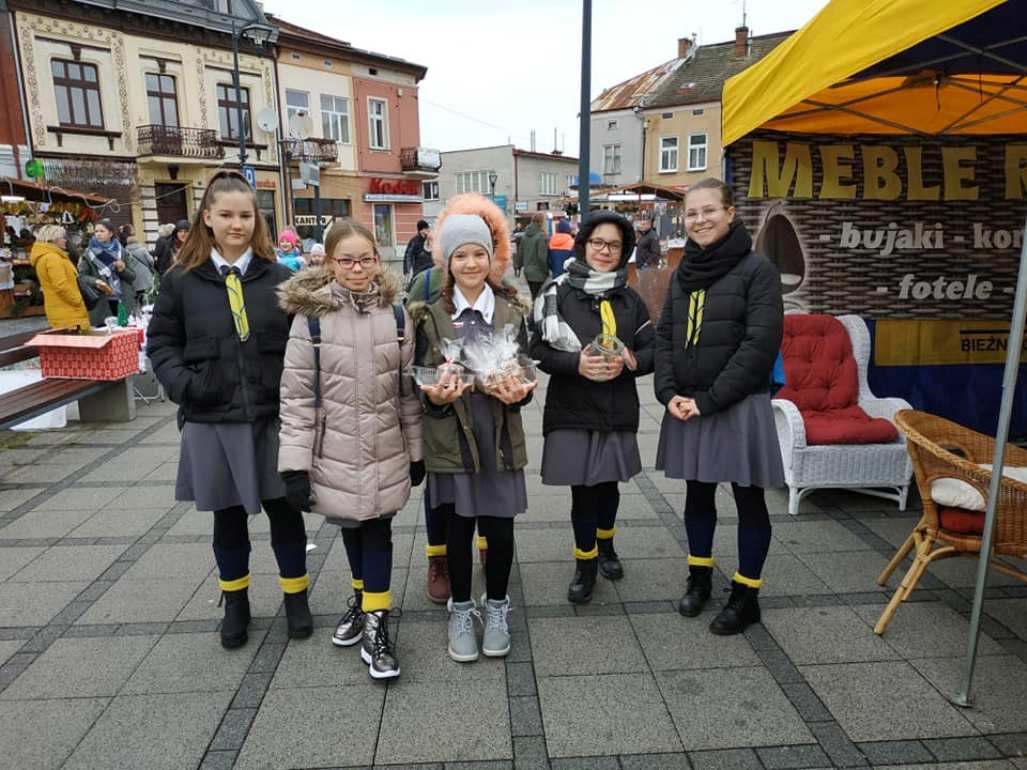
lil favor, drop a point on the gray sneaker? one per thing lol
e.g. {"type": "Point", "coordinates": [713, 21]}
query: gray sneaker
{"type": "Point", "coordinates": [495, 642]}
{"type": "Point", "coordinates": [463, 643]}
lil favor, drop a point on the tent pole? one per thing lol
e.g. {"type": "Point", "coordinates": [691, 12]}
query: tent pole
{"type": "Point", "coordinates": [1013, 353]}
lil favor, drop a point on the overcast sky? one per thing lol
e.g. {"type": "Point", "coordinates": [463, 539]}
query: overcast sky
{"type": "Point", "coordinates": [498, 70]}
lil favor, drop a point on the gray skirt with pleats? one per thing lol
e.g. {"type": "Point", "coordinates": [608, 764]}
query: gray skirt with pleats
{"type": "Point", "coordinates": [589, 457]}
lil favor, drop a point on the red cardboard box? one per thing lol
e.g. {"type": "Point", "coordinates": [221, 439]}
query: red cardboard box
{"type": "Point", "coordinates": [90, 355]}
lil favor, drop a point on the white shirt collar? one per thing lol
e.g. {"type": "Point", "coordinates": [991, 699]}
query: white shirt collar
{"type": "Point", "coordinates": [242, 263]}
{"type": "Point", "coordinates": [485, 304]}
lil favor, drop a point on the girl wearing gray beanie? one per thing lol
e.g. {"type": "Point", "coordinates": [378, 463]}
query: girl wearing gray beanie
{"type": "Point", "coordinates": [474, 444]}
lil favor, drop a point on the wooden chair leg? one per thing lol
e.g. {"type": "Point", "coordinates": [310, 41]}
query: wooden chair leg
{"type": "Point", "coordinates": [900, 554]}
{"type": "Point", "coordinates": [909, 582]}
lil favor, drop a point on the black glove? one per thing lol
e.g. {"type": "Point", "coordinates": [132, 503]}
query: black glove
{"type": "Point", "coordinates": [297, 489]}
{"type": "Point", "coordinates": [416, 473]}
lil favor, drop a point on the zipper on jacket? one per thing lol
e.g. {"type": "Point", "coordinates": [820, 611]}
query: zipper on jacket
{"type": "Point", "coordinates": [244, 380]}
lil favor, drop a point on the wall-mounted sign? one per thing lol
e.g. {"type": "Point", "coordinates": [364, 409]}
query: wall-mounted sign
{"type": "Point", "coordinates": [309, 220]}
{"type": "Point", "coordinates": [394, 191]}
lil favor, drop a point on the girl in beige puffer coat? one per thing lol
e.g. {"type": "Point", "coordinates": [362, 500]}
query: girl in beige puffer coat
{"type": "Point", "coordinates": [352, 457]}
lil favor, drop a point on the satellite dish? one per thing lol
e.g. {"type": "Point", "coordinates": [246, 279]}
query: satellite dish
{"type": "Point", "coordinates": [300, 126]}
{"type": "Point", "coordinates": [267, 120]}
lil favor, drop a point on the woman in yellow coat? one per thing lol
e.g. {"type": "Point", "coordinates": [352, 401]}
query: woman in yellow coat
{"type": "Point", "coordinates": [58, 278]}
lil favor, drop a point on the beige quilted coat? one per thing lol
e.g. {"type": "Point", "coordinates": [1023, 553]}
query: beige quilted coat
{"type": "Point", "coordinates": [359, 446]}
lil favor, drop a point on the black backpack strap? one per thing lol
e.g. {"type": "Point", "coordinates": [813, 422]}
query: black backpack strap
{"type": "Point", "coordinates": [314, 327]}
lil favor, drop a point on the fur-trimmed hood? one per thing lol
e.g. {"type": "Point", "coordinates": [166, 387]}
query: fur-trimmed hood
{"type": "Point", "coordinates": [309, 291]}
{"type": "Point", "coordinates": [478, 205]}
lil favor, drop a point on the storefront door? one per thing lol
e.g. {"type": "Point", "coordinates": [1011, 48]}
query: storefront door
{"type": "Point", "coordinates": [384, 228]}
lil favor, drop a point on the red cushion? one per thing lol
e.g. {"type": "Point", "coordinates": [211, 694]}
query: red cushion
{"type": "Point", "coordinates": [961, 520]}
{"type": "Point", "coordinates": [822, 381]}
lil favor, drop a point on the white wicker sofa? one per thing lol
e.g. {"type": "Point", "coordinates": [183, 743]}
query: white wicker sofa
{"type": "Point", "coordinates": [883, 470]}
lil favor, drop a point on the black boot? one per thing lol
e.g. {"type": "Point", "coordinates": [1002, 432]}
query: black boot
{"type": "Point", "coordinates": [580, 591]}
{"type": "Point", "coordinates": [237, 618]}
{"type": "Point", "coordinates": [697, 593]}
{"type": "Point", "coordinates": [609, 564]}
{"type": "Point", "coordinates": [297, 615]}
{"type": "Point", "coordinates": [742, 611]}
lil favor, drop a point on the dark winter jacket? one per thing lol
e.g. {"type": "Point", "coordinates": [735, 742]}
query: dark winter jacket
{"type": "Point", "coordinates": [197, 355]}
{"type": "Point", "coordinates": [739, 337]}
{"type": "Point", "coordinates": [647, 248]}
{"type": "Point", "coordinates": [534, 254]}
{"type": "Point", "coordinates": [416, 258]}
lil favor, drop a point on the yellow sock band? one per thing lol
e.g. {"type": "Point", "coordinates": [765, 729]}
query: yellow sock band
{"type": "Point", "coordinates": [358, 584]}
{"type": "Point", "coordinates": [750, 582]}
{"type": "Point", "coordinates": [593, 554]}
{"type": "Point", "coordinates": [376, 602]}
{"type": "Point", "coordinates": [700, 561]}
{"type": "Point", "coordinates": [294, 585]}
{"type": "Point", "coordinates": [435, 550]}
{"type": "Point", "coordinates": [606, 534]}
{"type": "Point", "coordinates": [235, 585]}
{"type": "Point", "coordinates": [483, 543]}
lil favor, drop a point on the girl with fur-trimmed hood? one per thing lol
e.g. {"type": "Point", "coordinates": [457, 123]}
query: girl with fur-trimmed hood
{"type": "Point", "coordinates": [351, 422]}
{"type": "Point", "coordinates": [474, 442]}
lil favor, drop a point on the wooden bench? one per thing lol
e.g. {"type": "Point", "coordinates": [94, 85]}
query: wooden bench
{"type": "Point", "coordinates": [99, 401]}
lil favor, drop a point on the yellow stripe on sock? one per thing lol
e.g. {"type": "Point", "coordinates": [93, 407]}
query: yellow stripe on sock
{"type": "Point", "coordinates": [294, 585]}
{"type": "Point", "coordinates": [358, 585]}
{"type": "Point", "coordinates": [593, 554]}
{"type": "Point", "coordinates": [750, 582]}
{"type": "Point", "coordinates": [700, 561]}
{"type": "Point", "coordinates": [606, 534]}
{"type": "Point", "coordinates": [235, 585]}
{"type": "Point", "coordinates": [376, 602]}
{"type": "Point", "coordinates": [483, 543]}
{"type": "Point", "coordinates": [435, 550]}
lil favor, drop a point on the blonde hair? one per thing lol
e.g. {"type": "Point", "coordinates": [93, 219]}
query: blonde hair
{"type": "Point", "coordinates": [50, 233]}
{"type": "Point", "coordinates": [344, 228]}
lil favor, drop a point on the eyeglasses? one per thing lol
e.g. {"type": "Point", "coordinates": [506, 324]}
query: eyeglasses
{"type": "Point", "coordinates": [348, 264]}
{"type": "Point", "coordinates": [599, 245]}
{"type": "Point", "coordinates": [707, 213]}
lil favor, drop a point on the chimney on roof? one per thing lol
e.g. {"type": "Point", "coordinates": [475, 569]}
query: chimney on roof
{"type": "Point", "coordinates": [741, 42]}
{"type": "Point", "coordinates": [684, 43]}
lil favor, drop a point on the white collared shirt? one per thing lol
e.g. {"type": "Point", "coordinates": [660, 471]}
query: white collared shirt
{"type": "Point", "coordinates": [485, 304]}
{"type": "Point", "coordinates": [242, 263]}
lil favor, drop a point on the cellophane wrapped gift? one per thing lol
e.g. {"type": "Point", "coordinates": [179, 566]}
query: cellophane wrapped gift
{"type": "Point", "coordinates": [497, 358]}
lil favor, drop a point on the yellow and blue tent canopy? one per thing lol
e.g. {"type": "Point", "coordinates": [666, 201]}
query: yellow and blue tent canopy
{"type": "Point", "coordinates": [929, 67]}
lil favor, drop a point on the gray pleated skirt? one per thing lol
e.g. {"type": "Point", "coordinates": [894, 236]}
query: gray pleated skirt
{"type": "Point", "coordinates": [736, 445]}
{"type": "Point", "coordinates": [589, 457]}
{"type": "Point", "coordinates": [227, 464]}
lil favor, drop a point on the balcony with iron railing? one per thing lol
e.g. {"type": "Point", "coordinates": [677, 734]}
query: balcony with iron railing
{"type": "Point", "coordinates": [420, 160]}
{"type": "Point", "coordinates": [179, 142]}
{"type": "Point", "coordinates": [318, 150]}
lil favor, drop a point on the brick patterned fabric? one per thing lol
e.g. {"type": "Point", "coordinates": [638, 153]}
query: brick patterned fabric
{"type": "Point", "coordinates": [90, 356]}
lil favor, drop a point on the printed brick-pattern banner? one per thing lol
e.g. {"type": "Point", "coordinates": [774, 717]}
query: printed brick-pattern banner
{"type": "Point", "coordinates": [115, 361]}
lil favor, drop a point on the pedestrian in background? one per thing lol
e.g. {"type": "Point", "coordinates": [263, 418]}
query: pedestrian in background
{"type": "Point", "coordinates": [105, 265]}
{"type": "Point", "coordinates": [62, 299]}
{"type": "Point", "coordinates": [716, 343]}
{"type": "Point", "coordinates": [317, 255]}
{"type": "Point", "coordinates": [518, 258]}
{"type": "Point", "coordinates": [217, 342]}
{"type": "Point", "coordinates": [648, 253]}
{"type": "Point", "coordinates": [591, 415]}
{"type": "Point", "coordinates": [534, 252]}
{"type": "Point", "coordinates": [289, 253]}
{"type": "Point", "coordinates": [165, 251]}
{"type": "Point", "coordinates": [561, 248]}
{"type": "Point", "coordinates": [141, 262]}
{"type": "Point", "coordinates": [417, 256]}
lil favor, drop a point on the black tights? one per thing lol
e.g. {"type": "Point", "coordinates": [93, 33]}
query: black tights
{"type": "Point", "coordinates": [753, 526]}
{"type": "Point", "coordinates": [232, 540]}
{"type": "Point", "coordinates": [459, 537]}
{"type": "Point", "coordinates": [593, 511]}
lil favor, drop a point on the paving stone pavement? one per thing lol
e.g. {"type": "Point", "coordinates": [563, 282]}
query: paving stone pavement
{"type": "Point", "coordinates": [109, 655]}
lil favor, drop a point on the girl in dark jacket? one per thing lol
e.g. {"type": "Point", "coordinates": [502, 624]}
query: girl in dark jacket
{"type": "Point", "coordinates": [716, 343]}
{"type": "Point", "coordinates": [217, 341]}
{"type": "Point", "coordinates": [591, 413]}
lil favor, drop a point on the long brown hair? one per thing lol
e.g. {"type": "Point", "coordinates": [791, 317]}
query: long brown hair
{"type": "Point", "coordinates": [197, 247]}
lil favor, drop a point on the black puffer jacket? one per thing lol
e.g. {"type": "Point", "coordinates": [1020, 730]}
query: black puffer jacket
{"type": "Point", "coordinates": [573, 401]}
{"type": "Point", "coordinates": [739, 339]}
{"type": "Point", "coordinates": [197, 355]}
{"type": "Point", "coordinates": [648, 249]}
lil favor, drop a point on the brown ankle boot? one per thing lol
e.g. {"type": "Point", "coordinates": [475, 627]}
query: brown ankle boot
{"type": "Point", "coordinates": [437, 586]}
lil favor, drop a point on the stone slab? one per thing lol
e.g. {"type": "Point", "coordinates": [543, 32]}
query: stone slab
{"type": "Point", "coordinates": [568, 646]}
{"type": "Point", "coordinates": [41, 734]}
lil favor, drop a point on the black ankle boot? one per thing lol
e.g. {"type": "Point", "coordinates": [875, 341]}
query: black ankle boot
{"type": "Point", "coordinates": [742, 610]}
{"type": "Point", "coordinates": [237, 618]}
{"type": "Point", "coordinates": [297, 615]}
{"type": "Point", "coordinates": [697, 593]}
{"type": "Point", "coordinates": [580, 591]}
{"type": "Point", "coordinates": [609, 564]}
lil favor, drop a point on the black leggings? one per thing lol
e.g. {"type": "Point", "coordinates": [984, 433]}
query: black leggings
{"type": "Point", "coordinates": [753, 527]}
{"type": "Point", "coordinates": [459, 537]}
{"type": "Point", "coordinates": [232, 540]}
{"type": "Point", "coordinates": [700, 499]}
{"type": "Point", "coordinates": [593, 508]}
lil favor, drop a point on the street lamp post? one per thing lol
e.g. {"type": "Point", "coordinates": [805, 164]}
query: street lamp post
{"type": "Point", "coordinates": [259, 34]}
{"type": "Point", "coordinates": [493, 177]}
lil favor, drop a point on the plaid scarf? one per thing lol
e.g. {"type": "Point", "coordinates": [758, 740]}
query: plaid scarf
{"type": "Point", "coordinates": [555, 331]}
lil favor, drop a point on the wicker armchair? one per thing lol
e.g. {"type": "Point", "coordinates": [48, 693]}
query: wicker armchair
{"type": "Point", "coordinates": [933, 444]}
{"type": "Point", "coordinates": [882, 470]}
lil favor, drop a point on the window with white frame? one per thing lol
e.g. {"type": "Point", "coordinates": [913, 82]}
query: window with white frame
{"type": "Point", "coordinates": [430, 191]}
{"type": "Point", "coordinates": [611, 159]}
{"type": "Point", "coordinates": [296, 103]}
{"type": "Point", "coordinates": [547, 183]}
{"type": "Point", "coordinates": [697, 152]}
{"type": "Point", "coordinates": [378, 123]}
{"type": "Point", "coordinates": [668, 154]}
{"type": "Point", "coordinates": [473, 181]}
{"type": "Point", "coordinates": [572, 180]}
{"type": "Point", "coordinates": [335, 118]}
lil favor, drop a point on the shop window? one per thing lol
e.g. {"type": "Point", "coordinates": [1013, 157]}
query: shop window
{"type": "Point", "coordinates": [305, 220]}
{"type": "Point", "coordinates": [668, 154]}
{"type": "Point", "coordinates": [228, 112]}
{"type": "Point", "coordinates": [383, 229]}
{"type": "Point", "coordinates": [378, 122]}
{"type": "Point", "coordinates": [77, 88]}
{"type": "Point", "coordinates": [335, 118]}
{"type": "Point", "coordinates": [697, 152]}
{"type": "Point", "coordinates": [162, 97]}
